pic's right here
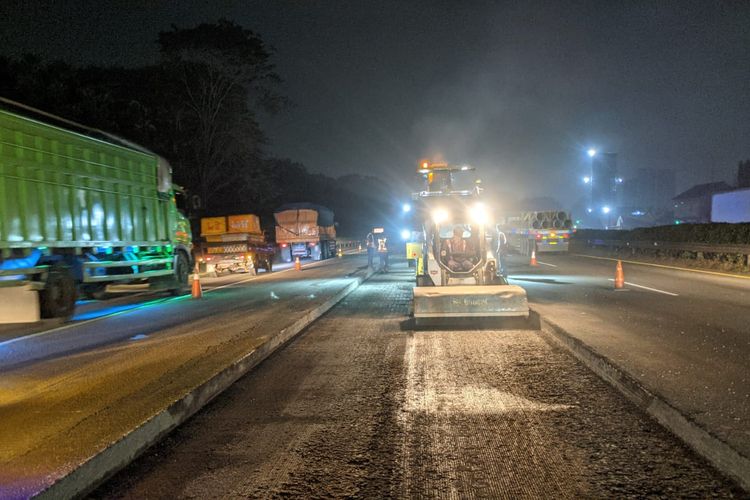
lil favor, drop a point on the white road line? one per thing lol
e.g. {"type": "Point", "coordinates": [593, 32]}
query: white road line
{"type": "Point", "coordinates": [650, 289]}
{"type": "Point", "coordinates": [545, 264]}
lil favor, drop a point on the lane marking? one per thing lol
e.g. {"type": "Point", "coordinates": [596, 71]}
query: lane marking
{"type": "Point", "coordinates": [154, 302]}
{"type": "Point", "coordinates": [649, 288]}
{"type": "Point", "coordinates": [545, 263]}
{"type": "Point", "coordinates": [702, 271]}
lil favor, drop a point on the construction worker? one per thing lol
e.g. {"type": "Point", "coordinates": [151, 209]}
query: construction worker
{"type": "Point", "coordinates": [370, 243]}
{"type": "Point", "coordinates": [383, 253]}
{"type": "Point", "coordinates": [458, 251]}
{"type": "Point", "coordinates": [501, 250]}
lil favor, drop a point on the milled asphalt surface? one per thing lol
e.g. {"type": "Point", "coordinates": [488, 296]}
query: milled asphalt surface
{"type": "Point", "coordinates": [69, 393]}
{"type": "Point", "coordinates": [361, 406]}
{"type": "Point", "coordinates": [692, 348]}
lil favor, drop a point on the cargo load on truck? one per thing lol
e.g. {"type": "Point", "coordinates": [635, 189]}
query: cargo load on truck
{"type": "Point", "coordinates": [305, 230]}
{"type": "Point", "coordinates": [82, 212]}
{"type": "Point", "coordinates": [542, 231]}
{"type": "Point", "coordinates": [458, 277]}
{"type": "Point", "coordinates": [234, 243]}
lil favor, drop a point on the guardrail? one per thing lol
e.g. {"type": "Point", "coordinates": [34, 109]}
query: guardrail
{"type": "Point", "coordinates": [697, 248]}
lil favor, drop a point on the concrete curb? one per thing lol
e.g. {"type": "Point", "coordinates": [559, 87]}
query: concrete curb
{"type": "Point", "coordinates": [720, 454]}
{"type": "Point", "coordinates": [120, 453]}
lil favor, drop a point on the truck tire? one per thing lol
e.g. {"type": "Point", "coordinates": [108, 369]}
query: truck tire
{"type": "Point", "coordinates": [58, 298]}
{"type": "Point", "coordinates": [181, 274]}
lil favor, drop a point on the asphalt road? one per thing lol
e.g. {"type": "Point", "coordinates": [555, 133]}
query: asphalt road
{"type": "Point", "coordinates": [361, 406]}
{"type": "Point", "coordinates": [684, 335]}
{"type": "Point", "coordinates": [70, 391]}
{"type": "Point", "coordinates": [87, 310]}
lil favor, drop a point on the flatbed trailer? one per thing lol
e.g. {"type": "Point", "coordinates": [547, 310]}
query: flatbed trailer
{"type": "Point", "coordinates": [234, 243]}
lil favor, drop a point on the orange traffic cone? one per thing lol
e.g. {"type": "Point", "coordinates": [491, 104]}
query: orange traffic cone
{"type": "Point", "coordinates": [197, 290]}
{"type": "Point", "coordinates": [297, 265]}
{"type": "Point", "coordinates": [619, 276]}
{"type": "Point", "coordinates": [533, 258]}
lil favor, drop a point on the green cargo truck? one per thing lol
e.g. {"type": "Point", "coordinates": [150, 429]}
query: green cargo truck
{"type": "Point", "coordinates": [81, 211]}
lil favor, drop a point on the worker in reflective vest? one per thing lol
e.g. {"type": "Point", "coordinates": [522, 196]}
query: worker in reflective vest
{"type": "Point", "coordinates": [383, 253]}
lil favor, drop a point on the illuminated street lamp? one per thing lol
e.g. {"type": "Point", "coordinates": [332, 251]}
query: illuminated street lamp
{"type": "Point", "coordinates": [606, 209]}
{"type": "Point", "coordinates": [586, 179]}
{"type": "Point", "coordinates": [591, 152]}
{"type": "Point", "coordinates": [406, 207]}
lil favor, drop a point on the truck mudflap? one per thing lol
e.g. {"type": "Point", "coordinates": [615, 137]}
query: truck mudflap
{"type": "Point", "coordinates": [470, 301]}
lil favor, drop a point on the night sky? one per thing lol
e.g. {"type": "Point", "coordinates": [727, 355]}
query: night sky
{"type": "Point", "coordinates": [518, 89]}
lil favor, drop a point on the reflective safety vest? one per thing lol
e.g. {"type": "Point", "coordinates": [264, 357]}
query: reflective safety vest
{"type": "Point", "coordinates": [381, 245]}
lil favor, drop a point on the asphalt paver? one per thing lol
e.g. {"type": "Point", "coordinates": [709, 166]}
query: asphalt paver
{"type": "Point", "coordinates": [363, 406]}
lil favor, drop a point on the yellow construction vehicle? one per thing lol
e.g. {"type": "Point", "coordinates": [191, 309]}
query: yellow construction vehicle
{"type": "Point", "coordinates": [457, 274]}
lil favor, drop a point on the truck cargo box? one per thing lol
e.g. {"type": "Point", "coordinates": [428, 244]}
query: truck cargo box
{"type": "Point", "coordinates": [63, 189]}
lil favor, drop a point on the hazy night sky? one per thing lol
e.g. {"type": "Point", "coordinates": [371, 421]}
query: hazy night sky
{"type": "Point", "coordinates": [518, 89]}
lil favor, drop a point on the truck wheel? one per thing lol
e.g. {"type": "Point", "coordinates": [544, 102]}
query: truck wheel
{"type": "Point", "coordinates": [182, 274]}
{"type": "Point", "coordinates": [58, 298]}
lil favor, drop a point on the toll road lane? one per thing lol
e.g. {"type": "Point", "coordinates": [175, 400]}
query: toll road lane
{"type": "Point", "coordinates": [89, 309]}
{"type": "Point", "coordinates": [361, 406]}
{"type": "Point", "coordinates": [66, 395]}
{"type": "Point", "coordinates": [684, 335]}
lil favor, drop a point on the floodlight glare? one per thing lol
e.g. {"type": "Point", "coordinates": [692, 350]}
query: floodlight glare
{"type": "Point", "coordinates": [478, 214]}
{"type": "Point", "coordinates": [439, 215]}
{"type": "Point", "coordinates": [591, 152]}
{"type": "Point", "coordinates": [405, 234]}
{"type": "Point", "coordinates": [406, 207]}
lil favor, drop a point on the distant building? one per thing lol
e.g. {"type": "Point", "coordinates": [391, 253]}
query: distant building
{"type": "Point", "coordinates": [604, 181]}
{"type": "Point", "coordinates": [650, 189]}
{"type": "Point", "coordinates": [743, 174]}
{"type": "Point", "coordinates": [731, 206]}
{"type": "Point", "coordinates": [694, 205]}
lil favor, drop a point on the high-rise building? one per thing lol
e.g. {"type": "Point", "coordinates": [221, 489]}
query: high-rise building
{"type": "Point", "coordinates": [604, 181]}
{"type": "Point", "coordinates": [743, 174]}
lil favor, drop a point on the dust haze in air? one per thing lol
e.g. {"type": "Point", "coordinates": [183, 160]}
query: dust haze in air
{"type": "Point", "coordinates": [519, 90]}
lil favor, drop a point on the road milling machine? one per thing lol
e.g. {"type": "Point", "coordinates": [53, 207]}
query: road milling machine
{"type": "Point", "coordinates": [457, 278]}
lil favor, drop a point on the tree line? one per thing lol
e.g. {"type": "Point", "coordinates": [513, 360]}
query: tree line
{"type": "Point", "coordinates": [199, 107]}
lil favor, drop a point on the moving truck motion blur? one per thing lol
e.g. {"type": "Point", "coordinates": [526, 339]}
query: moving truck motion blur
{"type": "Point", "coordinates": [82, 211]}
{"type": "Point", "coordinates": [235, 243]}
{"type": "Point", "coordinates": [305, 230]}
{"type": "Point", "coordinates": [543, 231]}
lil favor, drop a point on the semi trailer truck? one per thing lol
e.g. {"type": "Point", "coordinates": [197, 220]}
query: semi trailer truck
{"type": "Point", "coordinates": [540, 231]}
{"type": "Point", "coordinates": [82, 212]}
{"type": "Point", "coordinates": [305, 230]}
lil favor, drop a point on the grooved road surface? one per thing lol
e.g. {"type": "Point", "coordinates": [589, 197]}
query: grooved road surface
{"type": "Point", "coordinates": [361, 406]}
{"type": "Point", "coordinates": [68, 393]}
